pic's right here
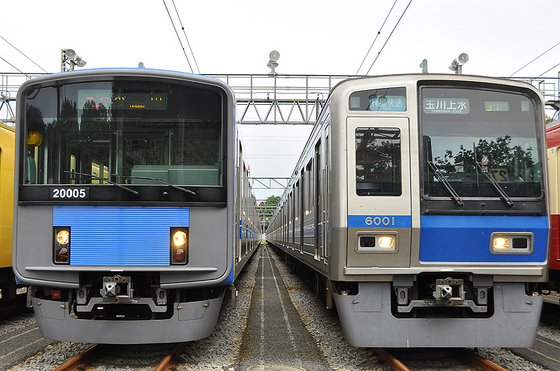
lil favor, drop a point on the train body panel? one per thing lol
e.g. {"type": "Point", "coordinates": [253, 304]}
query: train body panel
{"type": "Point", "coordinates": [7, 141]}
{"type": "Point", "coordinates": [128, 192]}
{"type": "Point", "coordinates": [146, 249]}
{"type": "Point", "coordinates": [434, 207]}
{"type": "Point", "coordinates": [7, 279]}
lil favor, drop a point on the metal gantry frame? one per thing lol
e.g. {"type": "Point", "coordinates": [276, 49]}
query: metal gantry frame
{"type": "Point", "coordinates": [269, 99]}
{"type": "Point", "coordinates": [9, 85]}
{"type": "Point", "coordinates": [280, 99]}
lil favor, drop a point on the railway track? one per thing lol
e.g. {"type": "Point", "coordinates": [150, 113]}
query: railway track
{"type": "Point", "coordinates": [410, 360]}
{"type": "Point", "coordinates": [100, 354]}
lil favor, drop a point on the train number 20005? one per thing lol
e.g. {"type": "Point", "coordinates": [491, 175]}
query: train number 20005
{"type": "Point", "coordinates": [70, 193]}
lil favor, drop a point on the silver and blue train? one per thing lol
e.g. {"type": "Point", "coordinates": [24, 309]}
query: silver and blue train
{"type": "Point", "coordinates": [420, 205]}
{"type": "Point", "coordinates": [133, 211]}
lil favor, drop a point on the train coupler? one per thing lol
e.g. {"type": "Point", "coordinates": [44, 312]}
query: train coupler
{"type": "Point", "coordinates": [117, 289]}
{"type": "Point", "coordinates": [446, 292]}
{"type": "Point", "coordinates": [449, 291]}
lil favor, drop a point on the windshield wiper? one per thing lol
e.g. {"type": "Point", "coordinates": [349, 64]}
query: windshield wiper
{"type": "Point", "coordinates": [105, 180]}
{"type": "Point", "coordinates": [161, 181]}
{"type": "Point", "coordinates": [499, 190]}
{"type": "Point", "coordinates": [446, 185]}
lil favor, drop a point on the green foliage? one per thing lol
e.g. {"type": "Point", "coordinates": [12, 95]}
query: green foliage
{"type": "Point", "coordinates": [266, 208]}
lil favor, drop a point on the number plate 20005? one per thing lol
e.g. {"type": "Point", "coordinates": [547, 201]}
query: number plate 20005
{"type": "Point", "coordinates": [69, 193]}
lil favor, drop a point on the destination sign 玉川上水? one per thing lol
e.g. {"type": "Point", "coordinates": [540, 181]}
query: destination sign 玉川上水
{"type": "Point", "coordinates": [453, 106]}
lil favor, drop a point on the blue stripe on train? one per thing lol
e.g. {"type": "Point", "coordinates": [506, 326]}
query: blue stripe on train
{"type": "Point", "coordinates": [467, 238]}
{"type": "Point", "coordinates": [120, 236]}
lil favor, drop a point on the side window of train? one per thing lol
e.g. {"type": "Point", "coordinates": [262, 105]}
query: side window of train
{"type": "Point", "coordinates": [378, 162]}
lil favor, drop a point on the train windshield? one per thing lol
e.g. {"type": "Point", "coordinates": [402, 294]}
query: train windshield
{"type": "Point", "coordinates": [479, 143]}
{"type": "Point", "coordinates": [126, 133]}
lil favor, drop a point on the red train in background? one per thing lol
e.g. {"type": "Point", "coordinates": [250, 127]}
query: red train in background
{"type": "Point", "coordinates": [553, 148]}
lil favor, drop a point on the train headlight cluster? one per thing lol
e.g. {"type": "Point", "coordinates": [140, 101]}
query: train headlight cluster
{"type": "Point", "coordinates": [511, 243]}
{"type": "Point", "coordinates": [61, 245]}
{"type": "Point", "coordinates": [179, 248]}
{"type": "Point", "coordinates": [373, 242]}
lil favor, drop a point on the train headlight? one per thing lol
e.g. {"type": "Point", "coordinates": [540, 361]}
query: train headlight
{"type": "Point", "coordinates": [511, 243]}
{"type": "Point", "coordinates": [61, 245]}
{"type": "Point", "coordinates": [500, 243]}
{"type": "Point", "coordinates": [179, 238]}
{"type": "Point", "coordinates": [63, 237]}
{"type": "Point", "coordinates": [377, 242]}
{"type": "Point", "coordinates": [179, 248]}
{"type": "Point", "coordinates": [386, 242]}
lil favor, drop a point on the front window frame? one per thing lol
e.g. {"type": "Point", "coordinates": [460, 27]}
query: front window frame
{"type": "Point", "coordinates": [491, 202]}
{"type": "Point", "coordinates": [105, 191]}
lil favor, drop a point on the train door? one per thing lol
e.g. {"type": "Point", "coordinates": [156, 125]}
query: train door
{"type": "Point", "coordinates": [318, 203]}
{"type": "Point", "coordinates": [238, 194]}
{"type": "Point", "coordinates": [297, 216]}
{"type": "Point", "coordinates": [379, 192]}
{"type": "Point", "coordinates": [325, 195]}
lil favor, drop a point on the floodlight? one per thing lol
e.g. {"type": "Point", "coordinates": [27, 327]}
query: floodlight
{"type": "Point", "coordinates": [70, 53]}
{"type": "Point", "coordinates": [457, 63]}
{"type": "Point", "coordinates": [69, 59]}
{"type": "Point", "coordinates": [274, 56]}
{"type": "Point", "coordinates": [272, 64]}
{"type": "Point", "coordinates": [80, 62]}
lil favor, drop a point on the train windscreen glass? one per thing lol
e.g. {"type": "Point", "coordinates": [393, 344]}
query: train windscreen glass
{"type": "Point", "coordinates": [124, 132]}
{"type": "Point", "coordinates": [378, 161]}
{"type": "Point", "coordinates": [479, 143]}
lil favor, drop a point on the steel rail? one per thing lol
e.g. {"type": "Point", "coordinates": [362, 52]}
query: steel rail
{"type": "Point", "coordinates": [82, 360]}
{"type": "Point", "coordinates": [79, 361]}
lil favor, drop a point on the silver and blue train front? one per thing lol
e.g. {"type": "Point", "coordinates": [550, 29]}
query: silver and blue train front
{"type": "Point", "coordinates": [124, 213]}
{"type": "Point", "coordinates": [446, 224]}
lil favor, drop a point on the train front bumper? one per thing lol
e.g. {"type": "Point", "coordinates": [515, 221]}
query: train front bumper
{"type": "Point", "coordinates": [190, 321]}
{"type": "Point", "coordinates": [368, 322]}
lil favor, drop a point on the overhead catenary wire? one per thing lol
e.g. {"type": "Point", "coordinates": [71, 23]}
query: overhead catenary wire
{"type": "Point", "coordinates": [186, 38]}
{"type": "Point", "coordinates": [31, 60]}
{"type": "Point", "coordinates": [547, 71]}
{"type": "Point", "coordinates": [536, 59]}
{"type": "Point", "coordinates": [20, 71]}
{"type": "Point", "coordinates": [376, 36]}
{"type": "Point", "coordinates": [391, 34]}
{"type": "Point", "coordinates": [178, 37]}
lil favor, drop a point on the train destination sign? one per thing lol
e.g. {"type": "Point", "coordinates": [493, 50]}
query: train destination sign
{"type": "Point", "coordinates": [387, 103]}
{"type": "Point", "coordinates": [450, 106]}
{"type": "Point", "coordinates": [106, 98]}
{"type": "Point", "coordinates": [379, 100]}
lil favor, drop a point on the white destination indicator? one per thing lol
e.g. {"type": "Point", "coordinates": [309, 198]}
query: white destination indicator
{"type": "Point", "coordinates": [450, 106]}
